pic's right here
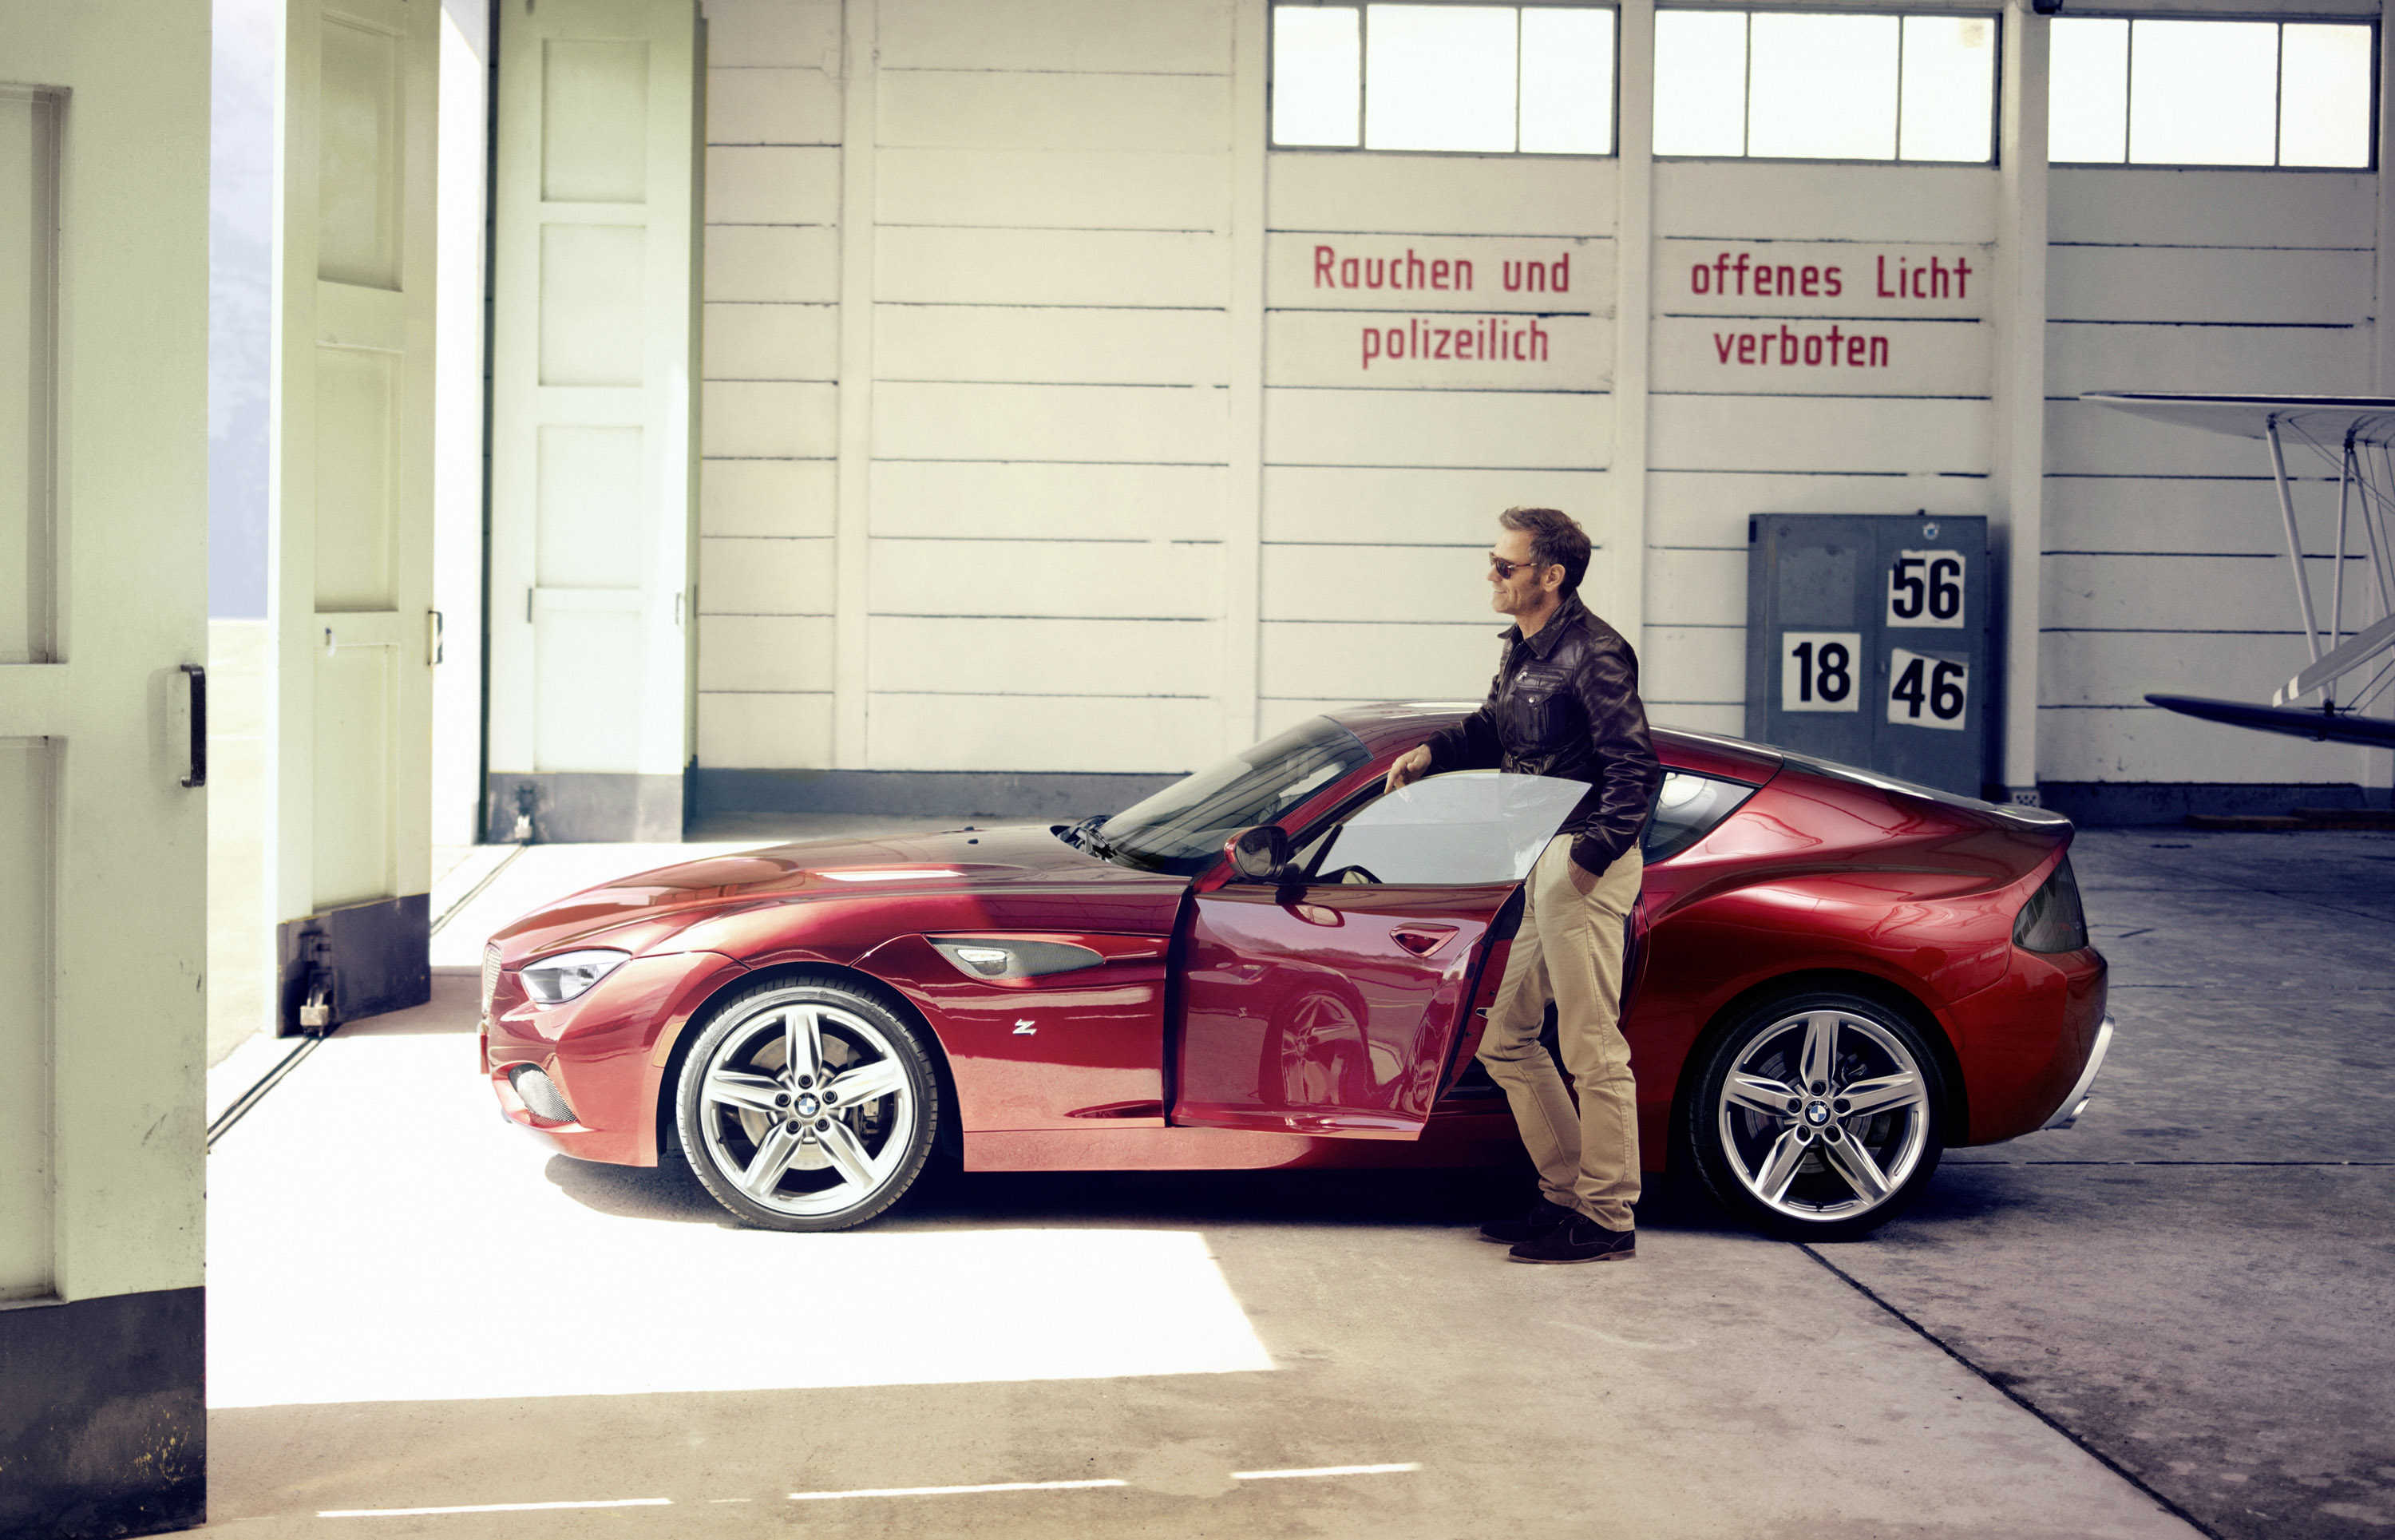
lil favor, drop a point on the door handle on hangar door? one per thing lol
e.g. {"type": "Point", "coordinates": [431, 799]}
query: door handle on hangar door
{"type": "Point", "coordinates": [199, 677]}
{"type": "Point", "coordinates": [1422, 940]}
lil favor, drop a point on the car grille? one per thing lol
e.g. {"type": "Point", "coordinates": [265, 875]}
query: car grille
{"type": "Point", "coordinates": [490, 975]}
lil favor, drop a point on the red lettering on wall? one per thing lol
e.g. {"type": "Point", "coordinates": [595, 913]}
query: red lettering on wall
{"type": "Point", "coordinates": [1506, 337]}
{"type": "Point", "coordinates": [1787, 349]}
{"type": "Point", "coordinates": [1410, 271]}
{"type": "Point", "coordinates": [1539, 277]}
{"type": "Point", "coordinates": [1936, 281]}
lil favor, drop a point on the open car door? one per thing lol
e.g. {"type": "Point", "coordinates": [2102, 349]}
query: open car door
{"type": "Point", "coordinates": [1330, 1002]}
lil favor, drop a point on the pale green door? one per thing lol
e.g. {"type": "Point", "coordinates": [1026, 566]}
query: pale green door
{"type": "Point", "coordinates": [351, 587]}
{"type": "Point", "coordinates": [592, 403]}
{"type": "Point", "coordinates": [103, 847]}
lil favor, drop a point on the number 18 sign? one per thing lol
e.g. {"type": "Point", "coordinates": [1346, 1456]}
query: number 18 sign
{"type": "Point", "coordinates": [1817, 670]}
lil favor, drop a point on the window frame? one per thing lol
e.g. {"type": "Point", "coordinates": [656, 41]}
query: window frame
{"type": "Point", "coordinates": [1994, 16]}
{"type": "Point", "coordinates": [2277, 91]}
{"type": "Point", "coordinates": [1363, 9]}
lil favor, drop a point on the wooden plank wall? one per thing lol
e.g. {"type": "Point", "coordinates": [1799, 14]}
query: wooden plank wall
{"type": "Point", "coordinates": [770, 406]}
{"type": "Point", "coordinates": [1051, 405]}
{"type": "Point", "coordinates": [1729, 440]}
{"type": "Point", "coordinates": [1383, 475]}
{"type": "Point", "coordinates": [1048, 575]}
{"type": "Point", "coordinates": [2165, 564]}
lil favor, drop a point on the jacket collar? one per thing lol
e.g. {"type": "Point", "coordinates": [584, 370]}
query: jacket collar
{"type": "Point", "coordinates": [1566, 613]}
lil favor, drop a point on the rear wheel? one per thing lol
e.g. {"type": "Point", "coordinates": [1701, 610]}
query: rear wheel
{"type": "Point", "coordinates": [1819, 1117]}
{"type": "Point", "coordinates": [807, 1105]}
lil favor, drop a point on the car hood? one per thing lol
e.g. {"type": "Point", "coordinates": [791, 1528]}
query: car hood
{"type": "Point", "coordinates": [640, 911]}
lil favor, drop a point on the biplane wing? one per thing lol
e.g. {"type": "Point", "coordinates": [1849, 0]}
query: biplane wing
{"type": "Point", "coordinates": [2296, 722]}
{"type": "Point", "coordinates": [2356, 434]}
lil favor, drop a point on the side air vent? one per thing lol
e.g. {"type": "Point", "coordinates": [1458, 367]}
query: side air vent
{"type": "Point", "coordinates": [1004, 957]}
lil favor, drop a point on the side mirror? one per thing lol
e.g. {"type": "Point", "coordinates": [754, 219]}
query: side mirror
{"type": "Point", "coordinates": [1259, 855]}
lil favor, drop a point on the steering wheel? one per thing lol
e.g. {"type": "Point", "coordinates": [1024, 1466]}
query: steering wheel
{"type": "Point", "coordinates": [1348, 874]}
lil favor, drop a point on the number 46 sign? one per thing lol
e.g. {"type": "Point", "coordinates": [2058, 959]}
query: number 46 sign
{"type": "Point", "coordinates": [1928, 689]}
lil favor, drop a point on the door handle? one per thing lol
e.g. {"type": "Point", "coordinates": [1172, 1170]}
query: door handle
{"type": "Point", "coordinates": [1422, 940]}
{"type": "Point", "coordinates": [199, 677]}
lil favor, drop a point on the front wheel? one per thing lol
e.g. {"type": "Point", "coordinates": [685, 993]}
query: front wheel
{"type": "Point", "coordinates": [807, 1105]}
{"type": "Point", "coordinates": [1819, 1116]}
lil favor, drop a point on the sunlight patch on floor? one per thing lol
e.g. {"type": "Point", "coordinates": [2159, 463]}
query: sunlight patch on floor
{"type": "Point", "coordinates": [377, 1233]}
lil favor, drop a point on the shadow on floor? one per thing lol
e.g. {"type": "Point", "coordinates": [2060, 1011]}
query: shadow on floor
{"type": "Point", "coordinates": [946, 1196]}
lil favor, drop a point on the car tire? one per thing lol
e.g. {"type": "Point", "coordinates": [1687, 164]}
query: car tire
{"type": "Point", "coordinates": [807, 1105]}
{"type": "Point", "coordinates": [1817, 1116]}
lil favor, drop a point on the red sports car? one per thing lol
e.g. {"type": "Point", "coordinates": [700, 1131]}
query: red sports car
{"type": "Point", "coordinates": [1273, 962]}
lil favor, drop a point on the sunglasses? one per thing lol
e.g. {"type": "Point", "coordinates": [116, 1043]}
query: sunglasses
{"type": "Point", "coordinates": [1506, 569]}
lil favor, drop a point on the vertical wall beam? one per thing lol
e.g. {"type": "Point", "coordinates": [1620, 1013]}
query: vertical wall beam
{"type": "Point", "coordinates": [1243, 500]}
{"type": "Point", "coordinates": [1625, 602]}
{"type": "Point", "coordinates": [2378, 764]}
{"type": "Point", "coordinates": [2019, 386]}
{"type": "Point", "coordinates": [852, 527]}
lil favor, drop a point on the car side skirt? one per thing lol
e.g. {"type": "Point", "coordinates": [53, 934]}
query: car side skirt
{"type": "Point", "coordinates": [1471, 1139]}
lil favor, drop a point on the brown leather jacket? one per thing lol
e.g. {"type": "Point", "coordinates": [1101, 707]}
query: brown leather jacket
{"type": "Point", "coordinates": [1565, 703]}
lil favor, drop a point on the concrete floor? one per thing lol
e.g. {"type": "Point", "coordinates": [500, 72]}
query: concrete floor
{"type": "Point", "coordinates": [2181, 1305]}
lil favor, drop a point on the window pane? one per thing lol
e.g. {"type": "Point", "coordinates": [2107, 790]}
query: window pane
{"type": "Point", "coordinates": [1822, 87]}
{"type": "Point", "coordinates": [1700, 83]}
{"type": "Point", "coordinates": [1949, 88]}
{"type": "Point", "coordinates": [1439, 77]}
{"type": "Point", "coordinates": [1567, 81]}
{"type": "Point", "coordinates": [1471, 826]}
{"type": "Point", "coordinates": [2324, 96]}
{"type": "Point", "coordinates": [2087, 112]}
{"type": "Point", "coordinates": [2202, 93]}
{"type": "Point", "coordinates": [1316, 75]}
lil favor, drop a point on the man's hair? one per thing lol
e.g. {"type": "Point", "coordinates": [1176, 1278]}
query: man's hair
{"type": "Point", "coordinates": [1556, 540]}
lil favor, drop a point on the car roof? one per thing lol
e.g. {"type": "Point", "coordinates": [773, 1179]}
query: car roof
{"type": "Point", "coordinates": [1382, 724]}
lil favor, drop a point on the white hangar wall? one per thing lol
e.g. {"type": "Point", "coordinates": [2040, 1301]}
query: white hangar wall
{"type": "Point", "coordinates": [1040, 447]}
{"type": "Point", "coordinates": [2165, 564]}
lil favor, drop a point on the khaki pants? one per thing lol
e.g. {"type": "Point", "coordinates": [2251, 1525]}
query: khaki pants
{"type": "Point", "coordinates": [1568, 949]}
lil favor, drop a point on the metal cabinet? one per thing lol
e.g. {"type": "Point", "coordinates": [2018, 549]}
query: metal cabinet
{"type": "Point", "coordinates": [1868, 642]}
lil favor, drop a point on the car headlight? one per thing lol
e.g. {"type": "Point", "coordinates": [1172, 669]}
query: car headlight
{"type": "Point", "coordinates": [553, 980]}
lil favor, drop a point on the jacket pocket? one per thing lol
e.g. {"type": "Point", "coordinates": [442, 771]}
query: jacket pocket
{"type": "Point", "coordinates": [1534, 715]}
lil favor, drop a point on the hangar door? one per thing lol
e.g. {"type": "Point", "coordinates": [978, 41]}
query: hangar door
{"type": "Point", "coordinates": [593, 360]}
{"type": "Point", "coordinates": [103, 814]}
{"type": "Point", "coordinates": [351, 583]}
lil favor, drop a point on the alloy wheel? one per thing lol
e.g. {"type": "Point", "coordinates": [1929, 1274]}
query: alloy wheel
{"type": "Point", "coordinates": [805, 1109]}
{"type": "Point", "coordinates": [1824, 1116]}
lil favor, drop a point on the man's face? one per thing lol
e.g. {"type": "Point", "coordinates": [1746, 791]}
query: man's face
{"type": "Point", "coordinates": [1525, 592]}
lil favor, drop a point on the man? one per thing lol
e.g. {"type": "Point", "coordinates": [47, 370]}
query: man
{"type": "Point", "coordinates": [1565, 703]}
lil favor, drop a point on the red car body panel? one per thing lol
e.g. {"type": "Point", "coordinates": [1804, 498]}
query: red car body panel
{"type": "Point", "coordinates": [1235, 1025]}
{"type": "Point", "coordinates": [1333, 1014]}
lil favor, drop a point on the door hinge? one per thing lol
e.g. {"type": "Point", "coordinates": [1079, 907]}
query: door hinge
{"type": "Point", "coordinates": [435, 641]}
{"type": "Point", "coordinates": [320, 986]}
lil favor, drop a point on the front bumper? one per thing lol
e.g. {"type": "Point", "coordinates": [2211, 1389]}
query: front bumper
{"type": "Point", "coordinates": [603, 1052]}
{"type": "Point", "coordinates": [2080, 1094]}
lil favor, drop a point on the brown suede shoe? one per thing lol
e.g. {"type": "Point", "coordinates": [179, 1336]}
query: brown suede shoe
{"type": "Point", "coordinates": [1581, 1240]}
{"type": "Point", "coordinates": [1544, 1220]}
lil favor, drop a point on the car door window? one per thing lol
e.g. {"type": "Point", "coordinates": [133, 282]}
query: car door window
{"type": "Point", "coordinates": [1468, 827]}
{"type": "Point", "coordinates": [1686, 809]}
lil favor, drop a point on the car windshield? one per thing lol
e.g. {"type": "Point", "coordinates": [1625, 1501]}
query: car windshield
{"type": "Point", "coordinates": [1181, 829]}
